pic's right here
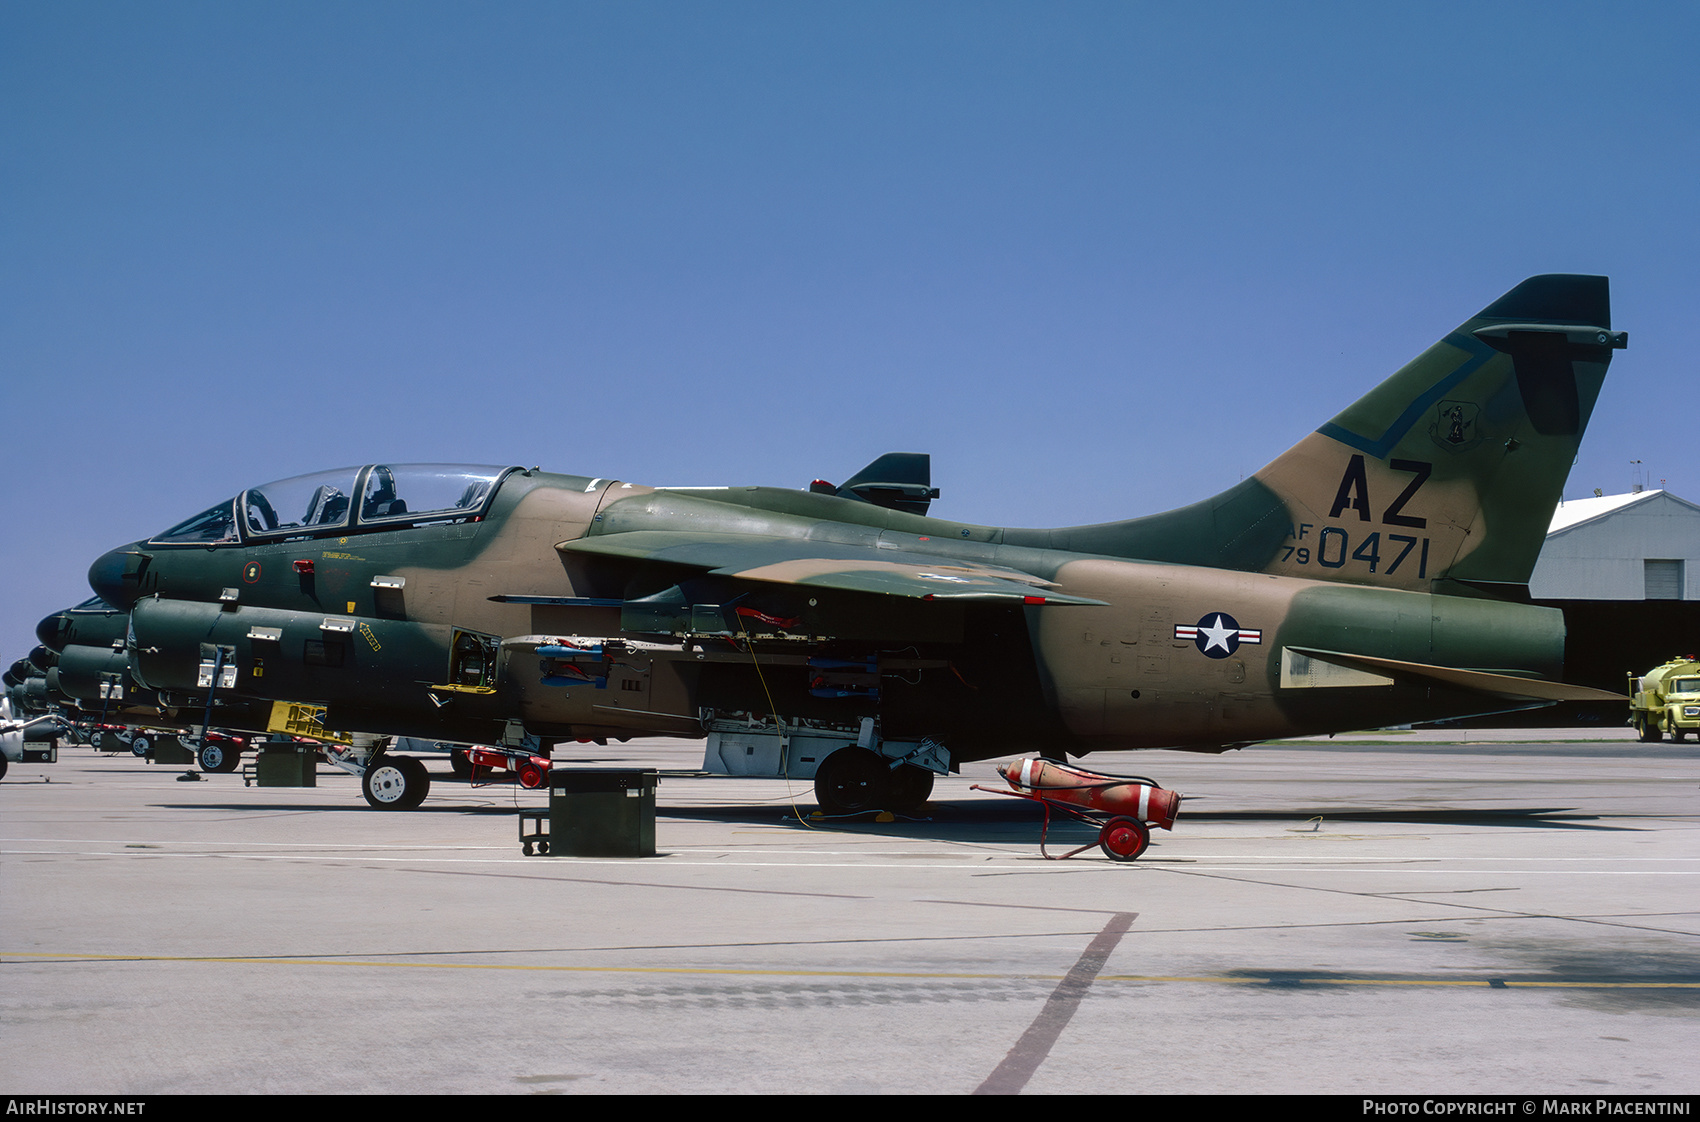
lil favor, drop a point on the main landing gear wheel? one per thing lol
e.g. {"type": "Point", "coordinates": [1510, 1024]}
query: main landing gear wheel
{"type": "Point", "coordinates": [911, 787]}
{"type": "Point", "coordinates": [214, 756]}
{"type": "Point", "coordinates": [139, 745]}
{"type": "Point", "coordinates": [395, 783]}
{"type": "Point", "coordinates": [1124, 839]}
{"type": "Point", "coordinates": [3, 763]}
{"type": "Point", "coordinates": [852, 780]}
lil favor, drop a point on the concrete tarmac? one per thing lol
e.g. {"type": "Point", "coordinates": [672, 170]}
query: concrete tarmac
{"type": "Point", "coordinates": [1506, 913]}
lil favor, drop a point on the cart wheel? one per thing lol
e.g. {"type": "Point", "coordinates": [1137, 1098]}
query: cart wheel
{"type": "Point", "coordinates": [1123, 839]}
{"type": "Point", "coordinates": [543, 848]}
{"type": "Point", "coordinates": [525, 848]}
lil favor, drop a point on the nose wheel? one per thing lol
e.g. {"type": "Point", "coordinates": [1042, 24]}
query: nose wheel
{"type": "Point", "coordinates": [218, 757]}
{"type": "Point", "coordinates": [395, 783]}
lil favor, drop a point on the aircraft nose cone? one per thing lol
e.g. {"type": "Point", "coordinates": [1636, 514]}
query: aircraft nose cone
{"type": "Point", "coordinates": [50, 632]}
{"type": "Point", "coordinates": [106, 576]}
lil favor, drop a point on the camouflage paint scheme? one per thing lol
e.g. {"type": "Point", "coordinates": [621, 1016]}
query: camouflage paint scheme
{"type": "Point", "coordinates": [1369, 576]}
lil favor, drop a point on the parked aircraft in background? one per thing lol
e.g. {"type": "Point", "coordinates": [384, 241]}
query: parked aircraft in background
{"type": "Point", "coordinates": [16, 732]}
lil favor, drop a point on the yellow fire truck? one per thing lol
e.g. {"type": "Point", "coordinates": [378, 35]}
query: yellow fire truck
{"type": "Point", "coordinates": [1666, 699]}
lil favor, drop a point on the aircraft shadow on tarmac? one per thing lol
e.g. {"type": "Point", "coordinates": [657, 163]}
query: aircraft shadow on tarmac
{"type": "Point", "coordinates": [949, 815]}
{"type": "Point", "coordinates": [354, 807]}
{"type": "Point", "coordinates": [960, 819]}
{"type": "Point", "coordinates": [981, 820]}
{"type": "Point", "coordinates": [1551, 817]}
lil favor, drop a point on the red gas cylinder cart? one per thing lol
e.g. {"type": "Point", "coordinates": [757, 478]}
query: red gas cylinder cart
{"type": "Point", "coordinates": [530, 770]}
{"type": "Point", "coordinates": [1123, 807]}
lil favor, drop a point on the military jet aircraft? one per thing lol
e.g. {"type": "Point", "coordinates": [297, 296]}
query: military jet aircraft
{"type": "Point", "coordinates": [81, 672]}
{"type": "Point", "coordinates": [1372, 575]}
{"type": "Point", "coordinates": [83, 660]}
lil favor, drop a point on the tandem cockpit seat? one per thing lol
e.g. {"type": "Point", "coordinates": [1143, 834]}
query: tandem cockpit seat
{"type": "Point", "coordinates": [381, 500]}
{"type": "Point", "coordinates": [327, 507]}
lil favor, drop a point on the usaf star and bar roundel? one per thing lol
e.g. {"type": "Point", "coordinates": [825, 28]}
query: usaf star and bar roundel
{"type": "Point", "coordinates": [1218, 634]}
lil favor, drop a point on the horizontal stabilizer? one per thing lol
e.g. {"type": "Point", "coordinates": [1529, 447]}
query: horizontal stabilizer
{"type": "Point", "coordinates": [897, 481]}
{"type": "Point", "coordinates": [1481, 681]}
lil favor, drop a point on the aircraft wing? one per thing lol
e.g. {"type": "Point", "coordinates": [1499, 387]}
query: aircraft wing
{"type": "Point", "coordinates": [1482, 681]}
{"type": "Point", "coordinates": [826, 565]}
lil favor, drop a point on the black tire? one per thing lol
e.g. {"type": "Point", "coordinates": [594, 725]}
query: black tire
{"type": "Point", "coordinates": [4, 764]}
{"type": "Point", "coordinates": [418, 780]}
{"type": "Point", "coordinates": [139, 745]}
{"type": "Point", "coordinates": [395, 783]}
{"type": "Point", "coordinates": [218, 757]}
{"type": "Point", "coordinates": [1124, 839]}
{"type": "Point", "coordinates": [460, 763]}
{"type": "Point", "coordinates": [1651, 733]}
{"type": "Point", "coordinates": [851, 781]}
{"type": "Point", "coordinates": [911, 787]}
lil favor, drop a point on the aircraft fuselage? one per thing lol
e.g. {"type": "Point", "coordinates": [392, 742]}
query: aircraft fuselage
{"type": "Point", "coordinates": [410, 630]}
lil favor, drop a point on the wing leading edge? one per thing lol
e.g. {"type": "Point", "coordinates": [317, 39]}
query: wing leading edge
{"type": "Point", "coordinates": [825, 565]}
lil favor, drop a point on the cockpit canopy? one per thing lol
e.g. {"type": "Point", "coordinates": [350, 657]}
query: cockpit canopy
{"type": "Point", "coordinates": [390, 496]}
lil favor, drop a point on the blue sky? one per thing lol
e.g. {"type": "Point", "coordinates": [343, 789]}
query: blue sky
{"type": "Point", "coordinates": [1098, 259]}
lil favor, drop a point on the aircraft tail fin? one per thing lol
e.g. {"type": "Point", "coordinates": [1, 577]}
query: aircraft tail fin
{"type": "Point", "coordinates": [1452, 467]}
{"type": "Point", "coordinates": [1448, 471]}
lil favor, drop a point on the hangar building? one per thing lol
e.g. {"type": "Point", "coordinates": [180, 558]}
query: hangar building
{"type": "Point", "coordinates": [1640, 546]}
{"type": "Point", "coordinates": [1625, 570]}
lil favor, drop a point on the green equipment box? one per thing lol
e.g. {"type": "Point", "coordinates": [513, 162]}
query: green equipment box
{"type": "Point", "coordinates": [286, 765]}
{"type": "Point", "coordinates": [602, 812]}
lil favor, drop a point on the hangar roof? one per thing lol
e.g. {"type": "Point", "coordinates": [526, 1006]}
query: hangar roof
{"type": "Point", "coordinates": [1577, 511]}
